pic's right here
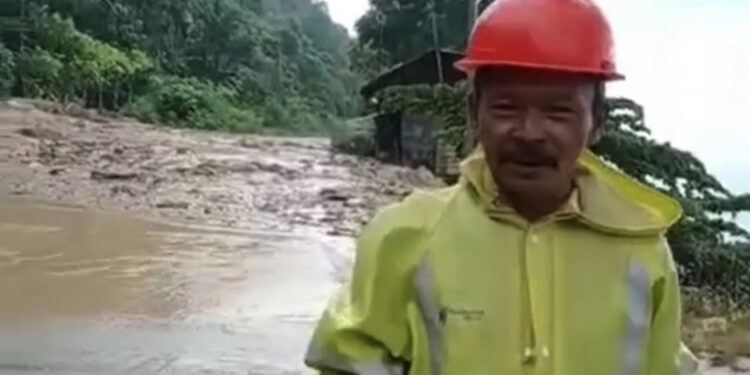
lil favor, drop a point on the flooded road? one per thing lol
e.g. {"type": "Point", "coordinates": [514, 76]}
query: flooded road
{"type": "Point", "coordinates": [89, 292]}
{"type": "Point", "coordinates": [236, 290]}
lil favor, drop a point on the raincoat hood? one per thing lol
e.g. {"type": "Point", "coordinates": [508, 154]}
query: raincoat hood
{"type": "Point", "coordinates": [609, 200]}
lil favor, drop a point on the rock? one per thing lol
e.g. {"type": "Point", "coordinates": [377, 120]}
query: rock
{"type": "Point", "coordinates": [173, 205]}
{"type": "Point", "coordinates": [354, 203]}
{"type": "Point", "coordinates": [424, 177]}
{"type": "Point", "coordinates": [328, 219]}
{"type": "Point", "coordinates": [75, 110]}
{"type": "Point", "coordinates": [271, 168]}
{"type": "Point", "coordinates": [98, 118]}
{"type": "Point", "coordinates": [390, 191]}
{"type": "Point", "coordinates": [19, 190]}
{"type": "Point", "coordinates": [715, 325]}
{"type": "Point", "coordinates": [40, 133]}
{"type": "Point", "coordinates": [242, 167]}
{"type": "Point", "coordinates": [334, 195]}
{"type": "Point", "coordinates": [28, 132]}
{"type": "Point", "coordinates": [113, 176]}
{"type": "Point", "coordinates": [340, 232]}
{"type": "Point", "coordinates": [741, 364]}
{"type": "Point", "coordinates": [122, 189]}
{"type": "Point", "coordinates": [206, 169]}
{"type": "Point", "coordinates": [290, 174]}
{"type": "Point", "coordinates": [195, 191]}
{"type": "Point", "coordinates": [56, 171]}
{"type": "Point", "coordinates": [248, 143]}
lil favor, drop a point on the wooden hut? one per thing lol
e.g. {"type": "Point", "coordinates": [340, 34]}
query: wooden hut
{"type": "Point", "coordinates": [412, 138]}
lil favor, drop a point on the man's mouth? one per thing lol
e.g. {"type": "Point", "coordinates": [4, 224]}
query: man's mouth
{"type": "Point", "coordinates": [532, 163]}
{"type": "Point", "coordinates": [529, 163]}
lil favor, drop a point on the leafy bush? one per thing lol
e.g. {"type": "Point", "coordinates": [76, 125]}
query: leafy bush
{"type": "Point", "coordinates": [191, 103]}
{"type": "Point", "coordinates": [297, 116]}
{"type": "Point", "coordinates": [446, 103]}
{"type": "Point", "coordinates": [39, 73]}
{"type": "Point", "coordinates": [66, 64]}
{"type": "Point", "coordinates": [356, 136]}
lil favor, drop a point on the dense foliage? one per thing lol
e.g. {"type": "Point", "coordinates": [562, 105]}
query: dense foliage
{"type": "Point", "coordinates": [356, 136]}
{"type": "Point", "coordinates": [282, 63]}
{"type": "Point", "coordinates": [403, 29]}
{"type": "Point", "coordinates": [445, 103]}
{"type": "Point", "coordinates": [189, 102]}
{"type": "Point", "coordinates": [7, 70]}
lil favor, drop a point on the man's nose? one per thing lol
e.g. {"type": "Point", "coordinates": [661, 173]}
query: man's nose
{"type": "Point", "coordinates": [529, 129]}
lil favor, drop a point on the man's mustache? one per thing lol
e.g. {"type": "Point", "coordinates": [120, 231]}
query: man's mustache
{"type": "Point", "coordinates": [527, 153]}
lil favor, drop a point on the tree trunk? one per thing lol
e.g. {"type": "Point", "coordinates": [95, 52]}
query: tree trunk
{"type": "Point", "coordinates": [116, 99]}
{"type": "Point", "coordinates": [100, 96]}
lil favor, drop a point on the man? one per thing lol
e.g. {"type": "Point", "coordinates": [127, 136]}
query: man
{"type": "Point", "coordinates": [543, 259]}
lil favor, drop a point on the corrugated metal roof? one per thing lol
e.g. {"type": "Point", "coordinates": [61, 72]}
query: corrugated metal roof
{"type": "Point", "coordinates": [421, 70]}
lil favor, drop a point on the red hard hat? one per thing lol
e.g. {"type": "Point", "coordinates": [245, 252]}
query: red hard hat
{"type": "Point", "coordinates": [562, 35]}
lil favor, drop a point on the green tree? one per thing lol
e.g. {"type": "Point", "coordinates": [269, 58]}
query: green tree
{"type": "Point", "coordinates": [707, 238]}
{"type": "Point", "coordinates": [7, 70]}
{"type": "Point", "coordinates": [365, 60]}
{"type": "Point", "coordinates": [285, 60]}
{"type": "Point", "coordinates": [88, 66]}
{"type": "Point", "coordinates": [403, 28]}
{"type": "Point", "coordinates": [38, 73]}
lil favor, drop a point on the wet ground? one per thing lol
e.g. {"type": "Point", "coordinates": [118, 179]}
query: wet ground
{"type": "Point", "coordinates": [206, 178]}
{"type": "Point", "coordinates": [246, 238]}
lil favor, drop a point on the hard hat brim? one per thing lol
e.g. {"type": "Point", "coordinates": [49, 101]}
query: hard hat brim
{"type": "Point", "coordinates": [470, 66]}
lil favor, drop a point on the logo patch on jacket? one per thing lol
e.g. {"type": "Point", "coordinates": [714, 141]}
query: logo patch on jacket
{"type": "Point", "coordinates": [462, 314]}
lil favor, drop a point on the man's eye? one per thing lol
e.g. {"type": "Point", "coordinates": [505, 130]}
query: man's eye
{"type": "Point", "coordinates": [560, 109]}
{"type": "Point", "coordinates": [505, 108]}
{"type": "Point", "coordinates": [559, 113]}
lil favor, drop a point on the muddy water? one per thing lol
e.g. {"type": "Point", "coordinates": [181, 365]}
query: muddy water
{"type": "Point", "coordinates": [88, 292]}
{"type": "Point", "coordinates": [91, 292]}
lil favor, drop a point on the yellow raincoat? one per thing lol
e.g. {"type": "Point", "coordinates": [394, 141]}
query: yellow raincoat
{"type": "Point", "coordinates": [450, 283]}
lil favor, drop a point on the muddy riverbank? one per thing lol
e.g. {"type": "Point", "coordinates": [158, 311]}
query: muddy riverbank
{"type": "Point", "coordinates": [229, 180]}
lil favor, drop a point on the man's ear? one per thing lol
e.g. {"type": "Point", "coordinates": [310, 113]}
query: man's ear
{"type": "Point", "coordinates": [596, 135]}
{"type": "Point", "coordinates": [473, 112]}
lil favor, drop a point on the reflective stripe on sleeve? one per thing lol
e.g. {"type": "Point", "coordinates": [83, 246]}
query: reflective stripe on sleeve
{"type": "Point", "coordinates": [638, 294]}
{"type": "Point", "coordinates": [430, 315]}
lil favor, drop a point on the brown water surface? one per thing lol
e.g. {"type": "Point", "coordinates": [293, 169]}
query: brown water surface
{"type": "Point", "coordinates": [90, 292]}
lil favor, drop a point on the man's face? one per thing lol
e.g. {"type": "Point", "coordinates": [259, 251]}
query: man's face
{"type": "Point", "coordinates": [533, 127]}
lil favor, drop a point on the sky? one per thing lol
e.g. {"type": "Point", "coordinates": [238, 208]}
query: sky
{"type": "Point", "coordinates": [688, 63]}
